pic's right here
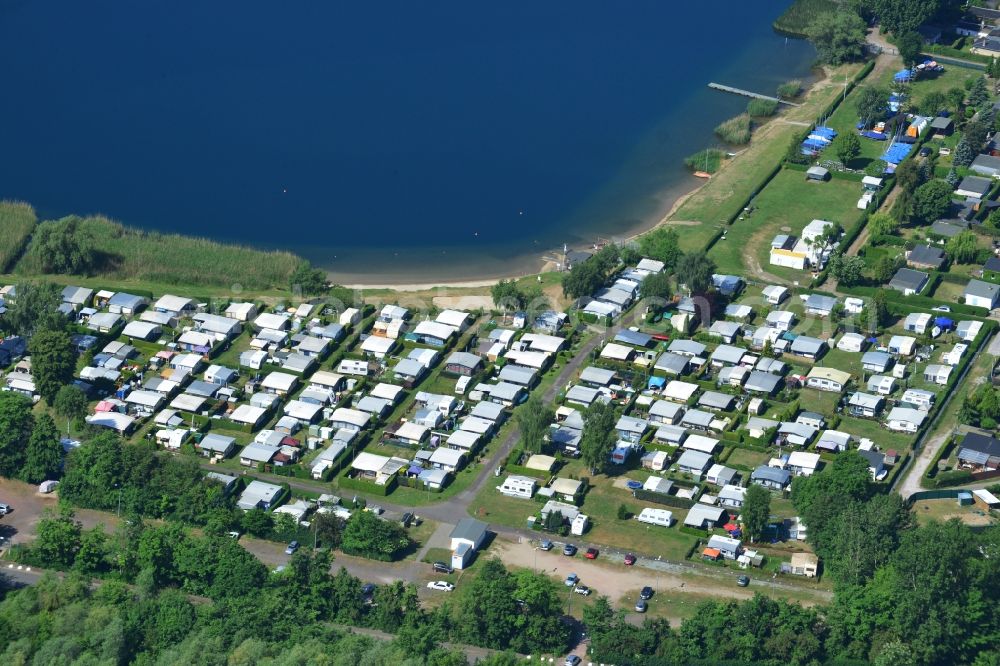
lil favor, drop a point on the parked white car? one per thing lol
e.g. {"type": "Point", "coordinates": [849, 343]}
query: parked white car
{"type": "Point", "coordinates": [440, 586]}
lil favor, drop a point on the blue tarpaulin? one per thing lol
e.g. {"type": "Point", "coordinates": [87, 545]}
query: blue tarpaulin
{"type": "Point", "coordinates": [944, 322]}
{"type": "Point", "coordinates": [656, 382]}
{"type": "Point", "coordinates": [878, 136]}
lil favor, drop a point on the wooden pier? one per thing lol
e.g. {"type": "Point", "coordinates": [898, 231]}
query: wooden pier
{"type": "Point", "coordinates": [747, 93]}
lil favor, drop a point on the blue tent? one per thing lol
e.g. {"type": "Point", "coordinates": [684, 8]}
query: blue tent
{"type": "Point", "coordinates": [824, 132]}
{"type": "Point", "coordinates": [812, 143]}
{"type": "Point", "coordinates": [903, 75]}
{"type": "Point", "coordinates": [657, 382]}
{"type": "Point", "coordinates": [878, 136]}
{"type": "Point", "coordinates": [944, 323]}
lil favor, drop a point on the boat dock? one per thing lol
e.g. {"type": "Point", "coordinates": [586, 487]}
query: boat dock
{"type": "Point", "coordinates": [747, 93]}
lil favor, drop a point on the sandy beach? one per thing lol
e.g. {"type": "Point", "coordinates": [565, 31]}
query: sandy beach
{"type": "Point", "coordinates": [523, 266]}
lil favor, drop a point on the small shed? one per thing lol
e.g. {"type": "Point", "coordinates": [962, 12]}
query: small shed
{"type": "Point", "coordinates": [817, 173]}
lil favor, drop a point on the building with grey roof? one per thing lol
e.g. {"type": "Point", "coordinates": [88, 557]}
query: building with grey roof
{"type": "Point", "coordinates": [908, 281]}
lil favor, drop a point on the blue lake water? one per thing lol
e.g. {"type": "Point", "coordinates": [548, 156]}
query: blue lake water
{"type": "Point", "coordinates": [380, 139]}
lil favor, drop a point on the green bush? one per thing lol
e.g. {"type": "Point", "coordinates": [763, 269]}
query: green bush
{"type": "Point", "coordinates": [956, 477]}
{"type": "Point", "coordinates": [735, 130]}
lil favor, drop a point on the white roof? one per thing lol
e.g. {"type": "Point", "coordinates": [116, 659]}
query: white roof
{"type": "Point", "coordinates": [187, 402]}
{"type": "Point", "coordinates": [434, 329]}
{"type": "Point", "coordinates": [279, 381]}
{"type": "Point", "coordinates": [369, 462]}
{"type": "Point", "coordinates": [277, 322]}
{"type": "Point", "coordinates": [544, 343]}
{"type": "Point", "coordinates": [385, 391]}
{"type": "Point", "coordinates": [680, 390]}
{"type": "Point", "coordinates": [411, 431]}
{"type": "Point", "coordinates": [616, 351]}
{"type": "Point", "coordinates": [258, 452]}
{"type": "Point", "coordinates": [172, 303]}
{"type": "Point", "coordinates": [326, 378]}
{"type": "Point", "coordinates": [351, 416]}
{"type": "Point", "coordinates": [373, 344]}
{"type": "Point", "coordinates": [530, 359]}
{"type": "Point", "coordinates": [140, 329]}
{"type": "Point", "coordinates": [476, 424]}
{"type": "Point", "coordinates": [247, 414]}
{"type": "Point", "coordinates": [700, 443]}
{"type": "Point", "coordinates": [454, 318]}
{"type": "Point", "coordinates": [303, 411]}
{"type": "Point", "coordinates": [463, 439]}
{"type": "Point", "coordinates": [113, 420]}
{"type": "Point", "coordinates": [150, 399]}
{"type": "Point", "coordinates": [240, 311]}
{"type": "Point", "coordinates": [803, 459]}
{"type": "Point", "coordinates": [447, 457]}
{"type": "Point", "coordinates": [196, 339]}
{"type": "Point", "coordinates": [905, 414]}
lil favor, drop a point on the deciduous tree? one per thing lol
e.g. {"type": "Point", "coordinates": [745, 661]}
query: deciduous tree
{"type": "Point", "coordinates": [598, 439]}
{"type": "Point", "coordinates": [662, 244]}
{"type": "Point", "coordinates": [369, 536]}
{"type": "Point", "coordinates": [756, 511]}
{"type": "Point", "coordinates": [839, 37]}
{"type": "Point", "coordinates": [34, 309]}
{"type": "Point", "coordinates": [44, 454]}
{"type": "Point", "coordinates": [71, 404]}
{"type": "Point", "coordinates": [16, 424]}
{"type": "Point", "coordinates": [64, 246]}
{"type": "Point", "coordinates": [963, 248]}
{"type": "Point", "coordinates": [694, 270]}
{"type": "Point", "coordinates": [847, 146]}
{"type": "Point", "coordinates": [871, 103]}
{"type": "Point", "coordinates": [53, 362]}
{"type": "Point", "coordinates": [533, 419]}
{"type": "Point", "coordinates": [931, 201]}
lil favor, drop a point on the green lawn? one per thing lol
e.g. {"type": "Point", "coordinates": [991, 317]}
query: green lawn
{"type": "Point", "coordinates": [747, 458]}
{"type": "Point", "coordinates": [823, 402]}
{"type": "Point", "coordinates": [786, 205]}
{"type": "Point", "coordinates": [708, 209]}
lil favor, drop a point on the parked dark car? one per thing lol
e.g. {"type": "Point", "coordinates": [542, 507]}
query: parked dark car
{"type": "Point", "coordinates": [442, 567]}
{"type": "Point", "coordinates": [292, 547]}
{"type": "Point", "coordinates": [630, 559]}
{"type": "Point", "coordinates": [646, 593]}
{"type": "Point", "coordinates": [743, 581]}
{"type": "Point", "coordinates": [368, 590]}
{"type": "Point", "coordinates": [406, 519]}
{"type": "Point", "coordinates": [545, 544]}
{"type": "Point", "coordinates": [640, 606]}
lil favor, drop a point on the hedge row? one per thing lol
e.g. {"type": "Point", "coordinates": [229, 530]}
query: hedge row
{"type": "Point", "coordinates": [660, 498]}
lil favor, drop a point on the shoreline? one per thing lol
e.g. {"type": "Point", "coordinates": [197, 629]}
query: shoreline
{"type": "Point", "coordinates": [674, 198]}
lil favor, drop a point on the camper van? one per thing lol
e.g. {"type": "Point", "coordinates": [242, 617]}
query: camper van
{"type": "Point", "coordinates": [660, 517]}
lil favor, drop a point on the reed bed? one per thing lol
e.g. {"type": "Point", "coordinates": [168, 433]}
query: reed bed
{"type": "Point", "coordinates": [736, 130]}
{"type": "Point", "coordinates": [708, 160]}
{"type": "Point", "coordinates": [134, 254]}
{"type": "Point", "coordinates": [17, 222]}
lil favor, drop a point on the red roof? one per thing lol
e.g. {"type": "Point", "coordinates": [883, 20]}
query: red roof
{"type": "Point", "coordinates": [711, 552]}
{"type": "Point", "coordinates": [729, 527]}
